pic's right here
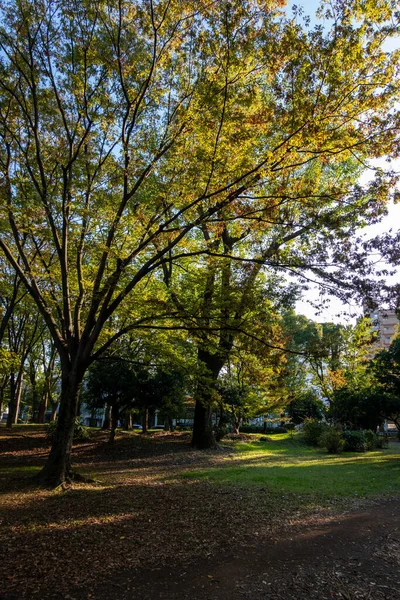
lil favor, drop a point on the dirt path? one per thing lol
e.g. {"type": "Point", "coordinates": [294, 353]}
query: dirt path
{"type": "Point", "coordinates": [355, 555]}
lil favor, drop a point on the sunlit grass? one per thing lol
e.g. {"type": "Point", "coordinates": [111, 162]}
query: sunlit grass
{"type": "Point", "coordinates": [285, 464]}
{"type": "Point", "coordinates": [19, 470]}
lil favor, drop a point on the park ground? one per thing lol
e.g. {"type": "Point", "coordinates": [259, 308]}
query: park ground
{"type": "Point", "coordinates": [271, 519]}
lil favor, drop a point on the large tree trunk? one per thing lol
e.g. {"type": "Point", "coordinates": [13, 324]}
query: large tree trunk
{"type": "Point", "coordinates": [16, 391]}
{"type": "Point", "coordinates": [57, 469]}
{"type": "Point", "coordinates": [203, 435]}
{"type": "Point", "coordinates": [107, 418]}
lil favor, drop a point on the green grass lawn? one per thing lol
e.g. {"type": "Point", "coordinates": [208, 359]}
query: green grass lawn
{"type": "Point", "coordinates": [285, 464]}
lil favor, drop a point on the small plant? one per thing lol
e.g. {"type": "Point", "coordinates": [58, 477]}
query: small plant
{"type": "Point", "coordinates": [81, 432]}
{"type": "Point", "coordinates": [332, 440]}
{"type": "Point", "coordinates": [313, 431]}
{"type": "Point", "coordinates": [354, 441]}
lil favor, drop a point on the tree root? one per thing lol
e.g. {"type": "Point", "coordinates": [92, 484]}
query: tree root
{"type": "Point", "coordinates": [64, 483]}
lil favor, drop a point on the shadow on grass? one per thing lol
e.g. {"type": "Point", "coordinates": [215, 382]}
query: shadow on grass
{"type": "Point", "coordinates": [89, 535]}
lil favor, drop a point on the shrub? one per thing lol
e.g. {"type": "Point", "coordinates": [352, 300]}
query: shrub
{"type": "Point", "coordinates": [313, 430]}
{"type": "Point", "coordinates": [354, 441]}
{"type": "Point", "coordinates": [81, 432]}
{"type": "Point", "coordinates": [371, 440]}
{"type": "Point", "coordinates": [332, 440]}
{"type": "Point", "coordinates": [273, 430]}
{"type": "Point", "coordinates": [382, 441]}
{"type": "Point", "coordinates": [250, 429]}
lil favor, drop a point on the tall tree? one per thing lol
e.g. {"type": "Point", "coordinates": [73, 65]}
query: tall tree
{"type": "Point", "coordinates": [128, 125]}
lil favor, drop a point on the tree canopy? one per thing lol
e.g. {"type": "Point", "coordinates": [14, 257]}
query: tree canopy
{"type": "Point", "coordinates": [134, 134]}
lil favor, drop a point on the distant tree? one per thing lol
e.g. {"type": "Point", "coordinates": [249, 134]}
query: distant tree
{"type": "Point", "coordinates": [171, 385]}
{"type": "Point", "coordinates": [356, 408]}
{"type": "Point", "coordinates": [305, 405]}
{"type": "Point", "coordinates": [112, 383]}
{"type": "Point", "coordinates": [386, 370]}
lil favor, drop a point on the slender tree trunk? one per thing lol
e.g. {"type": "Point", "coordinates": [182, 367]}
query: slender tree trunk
{"type": "Point", "coordinates": [114, 422]}
{"type": "Point", "coordinates": [53, 412]}
{"type": "Point", "coordinates": [42, 409]}
{"type": "Point", "coordinates": [203, 435]}
{"type": "Point", "coordinates": [2, 390]}
{"type": "Point", "coordinates": [16, 391]}
{"type": "Point", "coordinates": [146, 420]}
{"type": "Point", "coordinates": [57, 468]}
{"type": "Point", "coordinates": [107, 418]}
{"type": "Point", "coordinates": [128, 421]}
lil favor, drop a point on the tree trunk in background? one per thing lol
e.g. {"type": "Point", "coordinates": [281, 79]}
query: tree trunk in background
{"type": "Point", "coordinates": [2, 390]}
{"type": "Point", "coordinates": [107, 418]}
{"type": "Point", "coordinates": [42, 409]}
{"type": "Point", "coordinates": [146, 420]}
{"type": "Point", "coordinates": [15, 393]}
{"type": "Point", "coordinates": [53, 412]}
{"type": "Point", "coordinates": [203, 435]}
{"type": "Point", "coordinates": [128, 421]}
{"type": "Point", "coordinates": [114, 422]}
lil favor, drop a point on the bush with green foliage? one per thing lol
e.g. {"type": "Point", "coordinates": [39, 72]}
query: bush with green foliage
{"type": "Point", "coordinates": [372, 440]}
{"type": "Point", "coordinates": [251, 429]}
{"type": "Point", "coordinates": [313, 431]}
{"type": "Point", "coordinates": [81, 432]}
{"type": "Point", "coordinates": [355, 441]}
{"type": "Point", "coordinates": [332, 440]}
{"type": "Point", "coordinates": [269, 430]}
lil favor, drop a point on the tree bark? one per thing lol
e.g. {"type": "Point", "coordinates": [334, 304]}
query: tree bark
{"type": "Point", "coordinates": [203, 435]}
{"type": "Point", "coordinates": [16, 390]}
{"type": "Point", "coordinates": [114, 422]}
{"type": "Point", "coordinates": [146, 420]}
{"type": "Point", "coordinates": [107, 418]}
{"type": "Point", "coordinates": [58, 469]}
{"type": "Point", "coordinates": [2, 395]}
{"type": "Point", "coordinates": [42, 409]}
{"type": "Point", "coordinates": [53, 412]}
{"type": "Point", "coordinates": [128, 421]}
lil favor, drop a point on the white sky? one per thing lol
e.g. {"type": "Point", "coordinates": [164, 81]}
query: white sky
{"type": "Point", "coordinates": [337, 311]}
